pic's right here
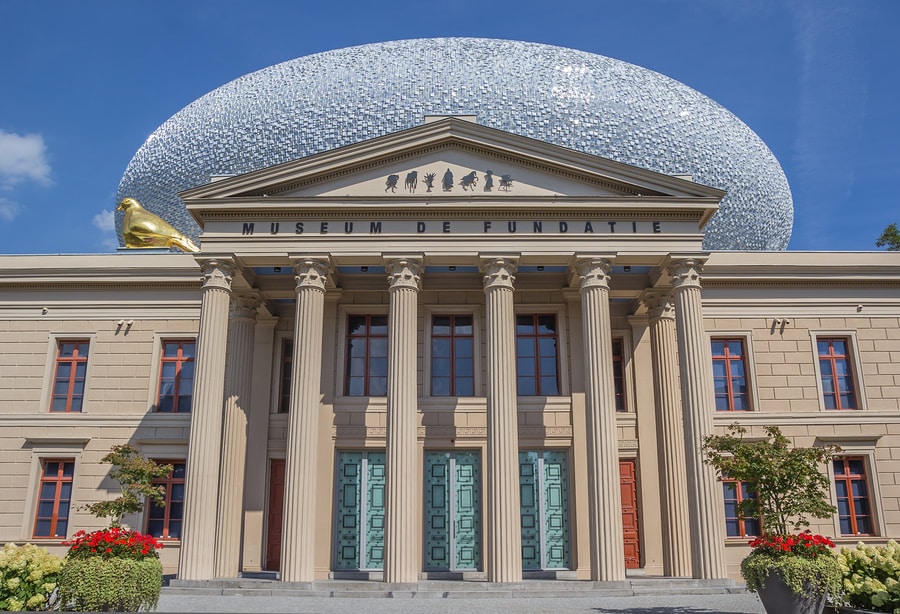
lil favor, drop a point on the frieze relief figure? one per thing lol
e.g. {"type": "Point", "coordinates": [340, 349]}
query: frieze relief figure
{"type": "Point", "coordinates": [391, 183]}
{"type": "Point", "coordinates": [468, 182]}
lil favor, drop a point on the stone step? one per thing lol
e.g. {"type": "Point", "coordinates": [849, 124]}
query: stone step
{"type": "Point", "coordinates": [452, 589]}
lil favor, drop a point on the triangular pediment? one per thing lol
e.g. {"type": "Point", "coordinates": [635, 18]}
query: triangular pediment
{"type": "Point", "coordinates": [449, 159]}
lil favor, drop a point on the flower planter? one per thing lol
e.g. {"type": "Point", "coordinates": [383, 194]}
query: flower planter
{"type": "Point", "coordinates": [778, 598]}
{"type": "Point", "coordinates": [843, 609]}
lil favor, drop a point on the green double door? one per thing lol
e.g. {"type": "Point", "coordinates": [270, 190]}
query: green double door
{"type": "Point", "coordinates": [544, 492]}
{"type": "Point", "coordinates": [452, 511]}
{"type": "Point", "coordinates": [359, 539]}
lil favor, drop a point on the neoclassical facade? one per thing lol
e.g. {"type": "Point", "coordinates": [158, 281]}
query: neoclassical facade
{"type": "Point", "coordinates": [449, 351]}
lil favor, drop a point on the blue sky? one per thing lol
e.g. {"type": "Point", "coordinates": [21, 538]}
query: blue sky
{"type": "Point", "coordinates": [85, 83]}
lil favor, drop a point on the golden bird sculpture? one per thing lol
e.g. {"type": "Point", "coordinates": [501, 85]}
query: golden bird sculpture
{"type": "Point", "coordinates": [140, 228]}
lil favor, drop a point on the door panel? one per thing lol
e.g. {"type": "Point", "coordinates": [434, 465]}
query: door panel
{"type": "Point", "coordinates": [274, 514]}
{"type": "Point", "coordinates": [630, 527]}
{"type": "Point", "coordinates": [348, 507]}
{"type": "Point", "coordinates": [544, 492]}
{"type": "Point", "coordinates": [452, 510]}
{"type": "Point", "coordinates": [530, 510]}
{"type": "Point", "coordinates": [375, 511]}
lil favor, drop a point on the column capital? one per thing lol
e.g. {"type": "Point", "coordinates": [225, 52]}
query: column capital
{"type": "Point", "coordinates": [243, 306]}
{"type": "Point", "coordinates": [404, 273]}
{"type": "Point", "coordinates": [660, 304]}
{"type": "Point", "coordinates": [217, 273]}
{"type": "Point", "coordinates": [593, 273]}
{"type": "Point", "coordinates": [312, 273]}
{"type": "Point", "coordinates": [499, 272]}
{"type": "Point", "coordinates": [685, 272]}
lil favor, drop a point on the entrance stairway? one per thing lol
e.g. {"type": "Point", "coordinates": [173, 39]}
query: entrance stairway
{"type": "Point", "coordinates": [449, 589]}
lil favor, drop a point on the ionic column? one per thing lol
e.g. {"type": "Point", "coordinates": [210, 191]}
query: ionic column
{"type": "Point", "coordinates": [298, 533]}
{"type": "Point", "coordinates": [607, 547]}
{"type": "Point", "coordinates": [504, 551]}
{"type": "Point", "coordinates": [670, 435]}
{"type": "Point", "coordinates": [695, 360]}
{"type": "Point", "coordinates": [402, 505]}
{"type": "Point", "coordinates": [199, 532]}
{"type": "Point", "coordinates": [238, 378]}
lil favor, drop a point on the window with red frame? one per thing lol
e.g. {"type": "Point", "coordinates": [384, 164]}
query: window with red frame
{"type": "Point", "coordinates": [287, 362]}
{"type": "Point", "coordinates": [69, 376]}
{"type": "Point", "coordinates": [367, 356]}
{"type": "Point", "coordinates": [851, 486]}
{"type": "Point", "coordinates": [54, 497]}
{"type": "Point", "coordinates": [837, 377]}
{"type": "Point", "coordinates": [618, 357]}
{"type": "Point", "coordinates": [452, 356]}
{"type": "Point", "coordinates": [537, 355]}
{"type": "Point", "coordinates": [176, 376]}
{"type": "Point", "coordinates": [735, 491]}
{"type": "Point", "coordinates": [164, 522]}
{"type": "Point", "coordinates": [730, 375]}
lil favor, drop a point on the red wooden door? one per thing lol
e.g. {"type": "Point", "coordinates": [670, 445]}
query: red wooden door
{"type": "Point", "coordinates": [630, 530]}
{"type": "Point", "coordinates": [274, 514]}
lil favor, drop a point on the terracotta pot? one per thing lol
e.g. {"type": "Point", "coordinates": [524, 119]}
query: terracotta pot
{"type": "Point", "coordinates": [778, 598]}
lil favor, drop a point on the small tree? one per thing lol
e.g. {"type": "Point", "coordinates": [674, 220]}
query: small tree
{"type": "Point", "coordinates": [135, 475]}
{"type": "Point", "coordinates": [890, 238]}
{"type": "Point", "coordinates": [788, 482]}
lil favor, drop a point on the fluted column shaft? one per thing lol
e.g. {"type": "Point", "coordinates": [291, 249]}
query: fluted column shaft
{"type": "Point", "coordinates": [238, 379]}
{"type": "Point", "coordinates": [706, 514]}
{"type": "Point", "coordinates": [504, 552]}
{"type": "Point", "coordinates": [402, 505]}
{"type": "Point", "coordinates": [604, 493]}
{"type": "Point", "coordinates": [199, 531]}
{"type": "Point", "coordinates": [298, 533]}
{"type": "Point", "coordinates": [670, 435]}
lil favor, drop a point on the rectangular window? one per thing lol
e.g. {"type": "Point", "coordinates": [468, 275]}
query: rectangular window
{"type": "Point", "coordinates": [851, 486]}
{"type": "Point", "coordinates": [735, 491]}
{"type": "Point", "coordinates": [54, 497]}
{"type": "Point", "coordinates": [69, 377]}
{"type": "Point", "coordinates": [287, 365]}
{"type": "Point", "coordinates": [452, 356]}
{"type": "Point", "coordinates": [165, 521]}
{"type": "Point", "coordinates": [618, 357]}
{"type": "Point", "coordinates": [730, 375]}
{"type": "Point", "coordinates": [837, 377]}
{"type": "Point", "coordinates": [176, 376]}
{"type": "Point", "coordinates": [367, 356]}
{"type": "Point", "coordinates": [537, 355]}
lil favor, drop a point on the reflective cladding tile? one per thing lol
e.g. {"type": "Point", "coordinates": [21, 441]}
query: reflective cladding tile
{"type": "Point", "coordinates": [575, 99]}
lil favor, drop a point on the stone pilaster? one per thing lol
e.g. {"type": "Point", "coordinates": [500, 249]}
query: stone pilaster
{"type": "Point", "coordinates": [504, 548]}
{"type": "Point", "coordinates": [238, 379]}
{"type": "Point", "coordinates": [298, 534]}
{"type": "Point", "coordinates": [403, 503]}
{"type": "Point", "coordinates": [199, 532]}
{"type": "Point", "coordinates": [695, 360]}
{"type": "Point", "coordinates": [670, 435]}
{"type": "Point", "coordinates": [604, 493]}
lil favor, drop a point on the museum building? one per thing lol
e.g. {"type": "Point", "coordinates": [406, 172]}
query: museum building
{"type": "Point", "coordinates": [431, 333]}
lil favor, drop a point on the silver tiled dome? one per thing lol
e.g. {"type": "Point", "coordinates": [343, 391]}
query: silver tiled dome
{"type": "Point", "coordinates": [579, 100]}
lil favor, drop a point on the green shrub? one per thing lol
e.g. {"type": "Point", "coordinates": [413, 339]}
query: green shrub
{"type": "Point", "coordinates": [805, 576]}
{"type": "Point", "coordinates": [97, 584]}
{"type": "Point", "coordinates": [872, 576]}
{"type": "Point", "coordinates": [28, 577]}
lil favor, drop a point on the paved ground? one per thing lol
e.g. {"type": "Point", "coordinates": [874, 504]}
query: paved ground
{"type": "Point", "coordinates": [745, 603]}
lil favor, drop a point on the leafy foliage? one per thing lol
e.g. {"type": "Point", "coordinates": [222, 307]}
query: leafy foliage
{"type": "Point", "coordinates": [788, 483]}
{"type": "Point", "coordinates": [28, 577]}
{"type": "Point", "coordinates": [806, 576]}
{"type": "Point", "coordinates": [890, 238]}
{"type": "Point", "coordinates": [97, 584]}
{"type": "Point", "coordinates": [872, 576]}
{"type": "Point", "coordinates": [135, 475]}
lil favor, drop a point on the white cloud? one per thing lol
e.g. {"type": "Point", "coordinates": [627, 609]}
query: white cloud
{"type": "Point", "coordinates": [106, 222]}
{"type": "Point", "coordinates": [8, 209]}
{"type": "Point", "coordinates": [22, 158]}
